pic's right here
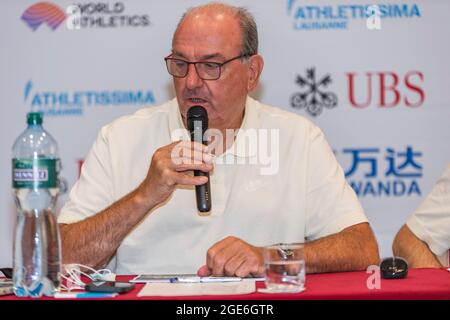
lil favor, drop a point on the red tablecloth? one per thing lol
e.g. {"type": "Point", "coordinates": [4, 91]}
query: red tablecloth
{"type": "Point", "coordinates": [419, 284]}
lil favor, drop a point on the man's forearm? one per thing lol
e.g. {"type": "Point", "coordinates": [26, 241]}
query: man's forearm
{"type": "Point", "coordinates": [94, 241]}
{"type": "Point", "coordinates": [354, 248]}
{"type": "Point", "coordinates": [414, 250]}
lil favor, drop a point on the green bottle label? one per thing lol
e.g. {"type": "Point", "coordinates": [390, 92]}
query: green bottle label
{"type": "Point", "coordinates": [34, 173]}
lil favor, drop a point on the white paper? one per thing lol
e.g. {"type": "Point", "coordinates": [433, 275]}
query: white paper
{"type": "Point", "coordinates": [197, 289]}
{"type": "Point", "coordinates": [154, 278]}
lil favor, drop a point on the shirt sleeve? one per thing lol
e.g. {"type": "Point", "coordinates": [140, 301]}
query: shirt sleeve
{"type": "Point", "coordinates": [431, 220]}
{"type": "Point", "coordinates": [332, 205]}
{"type": "Point", "coordinates": [94, 189]}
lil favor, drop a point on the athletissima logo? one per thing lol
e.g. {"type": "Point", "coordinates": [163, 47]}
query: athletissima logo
{"type": "Point", "coordinates": [313, 17]}
{"type": "Point", "coordinates": [314, 96]}
{"type": "Point", "coordinates": [73, 103]}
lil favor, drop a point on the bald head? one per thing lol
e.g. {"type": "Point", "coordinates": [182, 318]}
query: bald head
{"type": "Point", "coordinates": [218, 13]}
{"type": "Point", "coordinates": [223, 39]}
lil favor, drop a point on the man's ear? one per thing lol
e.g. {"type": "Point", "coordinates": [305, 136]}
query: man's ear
{"type": "Point", "coordinates": [256, 65]}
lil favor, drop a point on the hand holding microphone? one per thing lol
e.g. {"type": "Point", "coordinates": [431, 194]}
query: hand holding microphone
{"type": "Point", "coordinates": [171, 164]}
{"type": "Point", "coordinates": [197, 122]}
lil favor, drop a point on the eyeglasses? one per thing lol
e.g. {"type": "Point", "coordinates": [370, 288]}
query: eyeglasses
{"type": "Point", "coordinates": [206, 70]}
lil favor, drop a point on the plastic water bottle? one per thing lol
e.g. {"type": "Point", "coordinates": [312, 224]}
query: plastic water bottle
{"type": "Point", "coordinates": [35, 170]}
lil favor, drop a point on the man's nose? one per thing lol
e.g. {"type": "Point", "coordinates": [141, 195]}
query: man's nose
{"type": "Point", "coordinates": [192, 79]}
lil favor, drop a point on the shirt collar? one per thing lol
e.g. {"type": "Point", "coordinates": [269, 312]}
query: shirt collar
{"type": "Point", "coordinates": [176, 126]}
{"type": "Point", "coordinates": [241, 146]}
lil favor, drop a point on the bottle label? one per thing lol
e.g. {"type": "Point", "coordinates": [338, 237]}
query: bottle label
{"type": "Point", "coordinates": [34, 173]}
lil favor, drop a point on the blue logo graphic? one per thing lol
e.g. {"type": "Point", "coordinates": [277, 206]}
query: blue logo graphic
{"type": "Point", "coordinates": [391, 172]}
{"type": "Point", "coordinates": [65, 103]}
{"type": "Point", "coordinates": [338, 17]}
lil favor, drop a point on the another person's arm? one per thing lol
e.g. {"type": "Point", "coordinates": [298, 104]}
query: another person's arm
{"type": "Point", "coordinates": [407, 245]}
{"type": "Point", "coordinates": [425, 238]}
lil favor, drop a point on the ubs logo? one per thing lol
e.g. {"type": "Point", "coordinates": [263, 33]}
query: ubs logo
{"type": "Point", "coordinates": [314, 96]}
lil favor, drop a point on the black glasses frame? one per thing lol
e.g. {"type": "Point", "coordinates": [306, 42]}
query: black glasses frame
{"type": "Point", "coordinates": [218, 64]}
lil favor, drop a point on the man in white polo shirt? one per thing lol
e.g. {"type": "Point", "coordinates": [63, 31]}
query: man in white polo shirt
{"type": "Point", "coordinates": [134, 207]}
{"type": "Point", "coordinates": [424, 241]}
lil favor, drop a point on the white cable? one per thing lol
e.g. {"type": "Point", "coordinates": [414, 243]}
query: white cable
{"type": "Point", "coordinates": [73, 278]}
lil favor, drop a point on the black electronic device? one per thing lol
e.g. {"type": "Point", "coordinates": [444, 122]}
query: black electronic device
{"type": "Point", "coordinates": [393, 268]}
{"type": "Point", "coordinates": [109, 286]}
{"type": "Point", "coordinates": [7, 272]}
{"type": "Point", "coordinates": [197, 122]}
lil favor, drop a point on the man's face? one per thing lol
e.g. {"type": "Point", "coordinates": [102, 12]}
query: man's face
{"type": "Point", "coordinates": [214, 38]}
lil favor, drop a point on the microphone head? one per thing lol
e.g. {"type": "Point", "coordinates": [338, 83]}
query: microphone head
{"type": "Point", "coordinates": [197, 113]}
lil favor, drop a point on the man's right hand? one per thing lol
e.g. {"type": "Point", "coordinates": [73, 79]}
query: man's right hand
{"type": "Point", "coordinates": [93, 241]}
{"type": "Point", "coordinates": [170, 166]}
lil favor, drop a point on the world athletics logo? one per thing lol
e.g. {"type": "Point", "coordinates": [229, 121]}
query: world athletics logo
{"type": "Point", "coordinates": [43, 12]}
{"type": "Point", "coordinates": [101, 15]}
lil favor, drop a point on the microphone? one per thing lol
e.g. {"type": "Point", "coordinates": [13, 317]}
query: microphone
{"type": "Point", "coordinates": [197, 122]}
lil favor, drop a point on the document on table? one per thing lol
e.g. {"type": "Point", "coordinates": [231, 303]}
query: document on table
{"type": "Point", "coordinates": [197, 289]}
{"type": "Point", "coordinates": [186, 278]}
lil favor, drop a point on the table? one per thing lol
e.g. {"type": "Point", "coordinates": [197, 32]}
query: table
{"type": "Point", "coordinates": [426, 284]}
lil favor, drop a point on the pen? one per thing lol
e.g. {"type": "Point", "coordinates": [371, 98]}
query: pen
{"type": "Point", "coordinates": [63, 295]}
{"type": "Point", "coordinates": [185, 280]}
{"type": "Point", "coordinates": [203, 279]}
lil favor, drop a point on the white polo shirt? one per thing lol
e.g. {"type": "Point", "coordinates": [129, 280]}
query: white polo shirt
{"type": "Point", "coordinates": [431, 221]}
{"type": "Point", "coordinates": [307, 198]}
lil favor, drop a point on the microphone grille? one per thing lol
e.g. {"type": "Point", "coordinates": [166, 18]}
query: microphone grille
{"type": "Point", "coordinates": [197, 113]}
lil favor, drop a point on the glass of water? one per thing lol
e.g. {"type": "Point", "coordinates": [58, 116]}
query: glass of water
{"type": "Point", "coordinates": [284, 267]}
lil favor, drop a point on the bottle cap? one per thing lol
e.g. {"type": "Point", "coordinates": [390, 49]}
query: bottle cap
{"type": "Point", "coordinates": [34, 118]}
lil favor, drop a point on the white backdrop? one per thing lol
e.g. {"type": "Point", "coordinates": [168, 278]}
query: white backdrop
{"type": "Point", "coordinates": [390, 126]}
